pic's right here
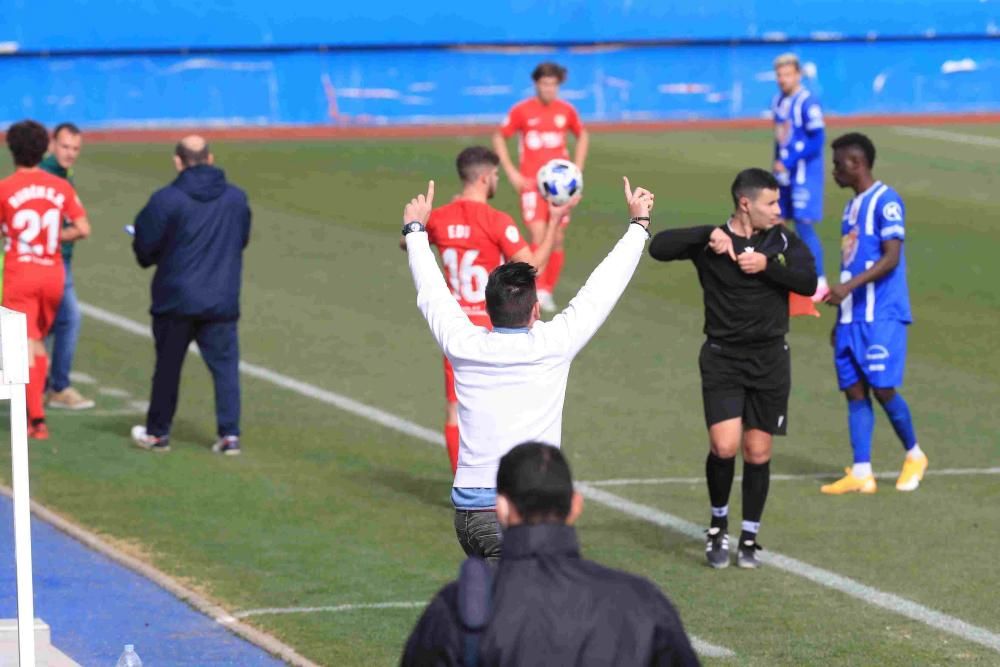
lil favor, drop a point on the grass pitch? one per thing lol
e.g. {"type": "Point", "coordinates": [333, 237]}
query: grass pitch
{"type": "Point", "coordinates": [326, 508]}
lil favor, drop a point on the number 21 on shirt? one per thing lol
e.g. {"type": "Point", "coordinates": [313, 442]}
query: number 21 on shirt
{"type": "Point", "coordinates": [31, 226]}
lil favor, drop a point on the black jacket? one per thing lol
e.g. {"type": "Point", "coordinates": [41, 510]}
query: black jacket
{"type": "Point", "coordinates": [743, 308]}
{"type": "Point", "coordinates": [194, 231]}
{"type": "Point", "coordinates": [552, 607]}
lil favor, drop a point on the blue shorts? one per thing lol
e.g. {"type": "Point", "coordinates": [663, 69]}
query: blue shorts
{"type": "Point", "coordinates": [798, 202]}
{"type": "Point", "coordinates": [873, 352]}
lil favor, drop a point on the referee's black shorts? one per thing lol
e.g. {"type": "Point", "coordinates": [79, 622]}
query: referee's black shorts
{"type": "Point", "coordinates": [748, 381]}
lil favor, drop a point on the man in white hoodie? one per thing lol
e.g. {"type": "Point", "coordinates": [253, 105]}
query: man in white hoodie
{"type": "Point", "coordinates": [511, 382]}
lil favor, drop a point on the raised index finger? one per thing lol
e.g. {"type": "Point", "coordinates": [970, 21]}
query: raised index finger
{"type": "Point", "coordinates": [628, 190]}
{"type": "Point", "coordinates": [430, 194]}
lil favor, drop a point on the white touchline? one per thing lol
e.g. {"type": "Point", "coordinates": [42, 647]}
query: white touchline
{"type": "Point", "coordinates": [872, 596]}
{"type": "Point", "coordinates": [701, 646]}
{"type": "Point", "coordinates": [983, 141]}
{"type": "Point", "coordinates": [648, 481]}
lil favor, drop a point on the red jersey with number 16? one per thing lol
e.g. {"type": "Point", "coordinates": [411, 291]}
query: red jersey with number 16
{"type": "Point", "coordinates": [543, 132]}
{"type": "Point", "coordinates": [32, 206]}
{"type": "Point", "coordinates": [474, 238]}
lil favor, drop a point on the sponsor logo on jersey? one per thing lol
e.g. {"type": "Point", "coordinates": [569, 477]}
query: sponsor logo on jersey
{"type": "Point", "coordinates": [533, 121]}
{"type": "Point", "coordinates": [512, 234]}
{"type": "Point", "coordinates": [849, 246]}
{"type": "Point", "coordinates": [535, 140]}
{"type": "Point", "coordinates": [560, 120]}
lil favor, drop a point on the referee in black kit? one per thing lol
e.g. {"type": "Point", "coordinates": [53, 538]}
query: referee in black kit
{"type": "Point", "coordinates": [747, 268]}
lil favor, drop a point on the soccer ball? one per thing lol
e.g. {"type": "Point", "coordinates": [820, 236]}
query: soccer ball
{"type": "Point", "coordinates": [559, 181]}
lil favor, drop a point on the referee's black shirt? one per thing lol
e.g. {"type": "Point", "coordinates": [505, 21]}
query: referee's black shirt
{"type": "Point", "coordinates": [742, 308]}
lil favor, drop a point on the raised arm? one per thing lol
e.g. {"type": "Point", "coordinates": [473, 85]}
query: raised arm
{"type": "Point", "coordinates": [434, 299]}
{"type": "Point", "coordinates": [587, 311]}
{"type": "Point", "coordinates": [538, 256]}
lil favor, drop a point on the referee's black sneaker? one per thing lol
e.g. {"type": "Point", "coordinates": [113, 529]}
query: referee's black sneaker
{"type": "Point", "coordinates": [717, 547]}
{"type": "Point", "coordinates": [746, 555]}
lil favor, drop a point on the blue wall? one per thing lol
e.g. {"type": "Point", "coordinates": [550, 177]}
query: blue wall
{"type": "Point", "coordinates": [455, 86]}
{"type": "Point", "coordinates": [257, 86]}
{"type": "Point", "coordinates": [137, 24]}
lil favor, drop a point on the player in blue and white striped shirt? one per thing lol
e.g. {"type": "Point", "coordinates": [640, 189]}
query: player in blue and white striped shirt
{"type": "Point", "coordinates": [799, 135]}
{"type": "Point", "coordinates": [869, 338]}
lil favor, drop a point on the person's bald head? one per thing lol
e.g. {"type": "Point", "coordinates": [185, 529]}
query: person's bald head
{"type": "Point", "coordinates": [192, 151]}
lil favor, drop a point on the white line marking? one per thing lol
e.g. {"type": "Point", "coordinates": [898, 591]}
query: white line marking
{"type": "Point", "coordinates": [304, 388]}
{"type": "Point", "coordinates": [334, 608]}
{"type": "Point", "coordinates": [701, 646]}
{"type": "Point", "coordinates": [113, 392]}
{"type": "Point", "coordinates": [204, 605]}
{"type": "Point", "coordinates": [980, 140]}
{"type": "Point", "coordinates": [81, 378]}
{"type": "Point", "coordinates": [867, 594]}
{"type": "Point", "coordinates": [872, 596]}
{"type": "Point", "coordinates": [123, 412]}
{"type": "Point", "coordinates": [647, 481]}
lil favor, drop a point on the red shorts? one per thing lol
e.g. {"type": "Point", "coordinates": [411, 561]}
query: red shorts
{"type": "Point", "coordinates": [534, 208]}
{"type": "Point", "coordinates": [35, 291]}
{"type": "Point", "coordinates": [449, 372]}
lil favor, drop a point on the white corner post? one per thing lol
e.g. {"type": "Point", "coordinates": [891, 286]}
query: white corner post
{"type": "Point", "coordinates": [13, 380]}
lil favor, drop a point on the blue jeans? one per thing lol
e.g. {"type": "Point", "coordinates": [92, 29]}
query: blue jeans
{"type": "Point", "coordinates": [219, 347]}
{"type": "Point", "coordinates": [63, 336]}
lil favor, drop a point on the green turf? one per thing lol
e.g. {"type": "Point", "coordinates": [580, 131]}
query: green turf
{"type": "Point", "coordinates": [326, 508]}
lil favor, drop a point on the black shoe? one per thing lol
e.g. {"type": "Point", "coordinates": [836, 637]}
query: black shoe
{"type": "Point", "coordinates": [717, 547]}
{"type": "Point", "coordinates": [746, 555]}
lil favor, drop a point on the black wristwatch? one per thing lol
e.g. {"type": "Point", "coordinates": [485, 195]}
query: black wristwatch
{"type": "Point", "coordinates": [413, 227]}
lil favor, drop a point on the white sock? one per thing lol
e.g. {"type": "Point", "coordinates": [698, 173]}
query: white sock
{"type": "Point", "coordinates": [915, 452]}
{"type": "Point", "coordinates": [862, 470]}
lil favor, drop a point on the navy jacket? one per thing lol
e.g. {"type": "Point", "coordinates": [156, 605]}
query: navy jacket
{"type": "Point", "coordinates": [194, 231]}
{"type": "Point", "coordinates": [553, 608]}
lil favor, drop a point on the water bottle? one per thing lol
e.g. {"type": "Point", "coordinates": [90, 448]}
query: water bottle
{"type": "Point", "coordinates": [129, 658]}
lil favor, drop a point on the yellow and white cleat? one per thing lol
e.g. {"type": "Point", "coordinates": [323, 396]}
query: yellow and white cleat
{"type": "Point", "coordinates": [850, 484]}
{"type": "Point", "coordinates": [912, 474]}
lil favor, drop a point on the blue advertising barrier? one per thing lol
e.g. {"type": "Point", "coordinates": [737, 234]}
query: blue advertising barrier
{"type": "Point", "coordinates": [51, 25]}
{"type": "Point", "coordinates": [479, 85]}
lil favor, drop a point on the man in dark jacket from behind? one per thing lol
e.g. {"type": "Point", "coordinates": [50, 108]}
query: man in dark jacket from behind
{"type": "Point", "coordinates": [548, 605]}
{"type": "Point", "coordinates": [194, 232]}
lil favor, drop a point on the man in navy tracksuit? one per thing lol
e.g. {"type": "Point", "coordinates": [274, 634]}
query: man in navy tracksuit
{"type": "Point", "coordinates": [194, 231]}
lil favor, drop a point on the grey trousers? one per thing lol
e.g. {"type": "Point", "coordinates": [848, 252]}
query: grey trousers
{"type": "Point", "coordinates": [479, 534]}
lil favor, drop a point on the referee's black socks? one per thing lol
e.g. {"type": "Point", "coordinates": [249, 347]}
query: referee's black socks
{"type": "Point", "coordinates": [756, 481]}
{"type": "Point", "coordinates": [719, 473]}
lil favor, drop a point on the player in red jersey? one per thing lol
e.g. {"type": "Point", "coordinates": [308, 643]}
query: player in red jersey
{"type": "Point", "coordinates": [474, 238]}
{"type": "Point", "coordinates": [33, 204]}
{"type": "Point", "coordinates": [542, 122]}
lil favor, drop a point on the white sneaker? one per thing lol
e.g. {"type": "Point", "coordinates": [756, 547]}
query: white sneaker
{"type": "Point", "coordinates": [546, 301]}
{"type": "Point", "coordinates": [151, 443]}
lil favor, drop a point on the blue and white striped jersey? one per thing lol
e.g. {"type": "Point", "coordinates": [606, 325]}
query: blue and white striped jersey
{"type": "Point", "coordinates": [874, 216]}
{"type": "Point", "coordinates": [798, 144]}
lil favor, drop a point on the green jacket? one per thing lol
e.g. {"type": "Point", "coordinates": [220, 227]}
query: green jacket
{"type": "Point", "coordinates": [50, 165]}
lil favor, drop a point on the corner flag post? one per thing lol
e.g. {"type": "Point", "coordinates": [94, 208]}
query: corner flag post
{"type": "Point", "coordinates": [13, 379]}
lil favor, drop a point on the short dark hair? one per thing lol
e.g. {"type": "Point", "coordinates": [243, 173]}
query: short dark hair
{"type": "Point", "coordinates": [28, 142]}
{"type": "Point", "coordinates": [471, 159]}
{"type": "Point", "coordinates": [549, 69]}
{"type": "Point", "coordinates": [68, 127]}
{"type": "Point", "coordinates": [859, 141]}
{"type": "Point", "coordinates": [510, 294]}
{"type": "Point", "coordinates": [190, 158]}
{"type": "Point", "coordinates": [751, 181]}
{"type": "Point", "coordinates": [535, 478]}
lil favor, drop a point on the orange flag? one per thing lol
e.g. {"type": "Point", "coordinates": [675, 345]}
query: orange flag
{"type": "Point", "coordinates": [801, 305]}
